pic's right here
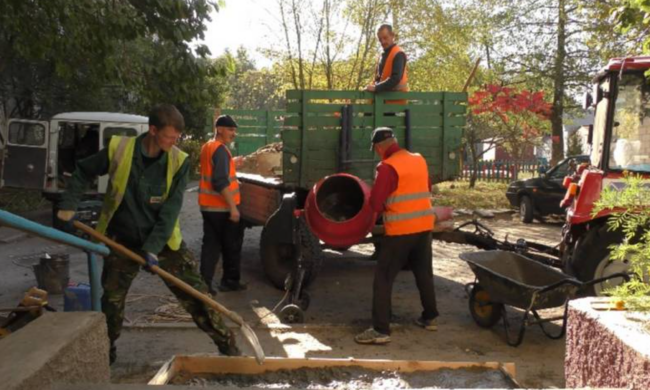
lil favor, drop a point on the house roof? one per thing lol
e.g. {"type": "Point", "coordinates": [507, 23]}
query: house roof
{"type": "Point", "coordinates": [101, 117]}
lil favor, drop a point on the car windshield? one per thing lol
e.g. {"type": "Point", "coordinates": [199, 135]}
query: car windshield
{"type": "Point", "coordinates": [630, 143]}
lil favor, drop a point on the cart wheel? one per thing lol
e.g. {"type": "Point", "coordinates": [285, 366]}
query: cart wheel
{"type": "Point", "coordinates": [292, 314]}
{"type": "Point", "coordinates": [484, 312]}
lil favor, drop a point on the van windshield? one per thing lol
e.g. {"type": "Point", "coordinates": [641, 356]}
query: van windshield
{"type": "Point", "coordinates": [630, 143]}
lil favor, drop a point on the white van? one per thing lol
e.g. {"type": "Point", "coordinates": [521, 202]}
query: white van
{"type": "Point", "coordinates": [43, 154]}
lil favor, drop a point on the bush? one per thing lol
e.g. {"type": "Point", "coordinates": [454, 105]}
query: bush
{"type": "Point", "coordinates": [193, 148]}
{"type": "Point", "coordinates": [632, 217]}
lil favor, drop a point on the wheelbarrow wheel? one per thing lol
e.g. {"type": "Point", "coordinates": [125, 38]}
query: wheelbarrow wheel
{"type": "Point", "coordinates": [292, 314]}
{"type": "Point", "coordinates": [485, 313]}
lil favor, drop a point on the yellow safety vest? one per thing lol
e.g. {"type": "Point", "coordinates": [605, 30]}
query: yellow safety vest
{"type": "Point", "coordinates": [120, 157]}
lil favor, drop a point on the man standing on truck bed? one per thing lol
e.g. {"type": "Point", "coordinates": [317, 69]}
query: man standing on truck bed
{"type": "Point", "coordinates": [147, 178]}
{"type": "Point", "coordinates": [223, 232]}
{"type": "Point", "coordinates": [390, 73]}
{"type": "Point", "coordinates": [401, 192]}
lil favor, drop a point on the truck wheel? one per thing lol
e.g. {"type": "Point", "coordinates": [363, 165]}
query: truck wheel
{"type": "Point", "coordinates": [279, 259]}
{"type": "Point", "coordinates": [485, 313]}
{"type": "Point", "coordinates": [526, 209]}
{"type": "Point", "coordinates": [591, 259]}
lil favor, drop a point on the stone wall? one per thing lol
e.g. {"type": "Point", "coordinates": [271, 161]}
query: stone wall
{"type": "Point", "coordinates": [605, 348]}
{"type": "Point", "coordinates": [56, 348]}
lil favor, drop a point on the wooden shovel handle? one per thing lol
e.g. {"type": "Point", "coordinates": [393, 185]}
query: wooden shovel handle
{"type": "Point", "coordinates": [234, 317]}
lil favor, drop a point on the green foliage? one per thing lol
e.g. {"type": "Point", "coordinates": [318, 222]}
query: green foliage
{"type": "Point", "coordinates": [122, 55]}
{"type": "Point", "coordinates": [193, 148]}
{"type": "Point", "coordinates": [632, 217]}
{"type": "Point", "coordinates": [458, 194]}
{"type": "Point", "coordinates": [252, 89]}
{"type": "Point", "coordinates": [575, 146]}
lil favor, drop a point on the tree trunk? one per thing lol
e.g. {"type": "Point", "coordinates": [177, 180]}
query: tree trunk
{"type": "Point", "coordinates": [559, 86]}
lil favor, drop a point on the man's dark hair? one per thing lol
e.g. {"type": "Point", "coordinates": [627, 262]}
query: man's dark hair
{"type": "Point", "coordinates": [164, 115]}
{"type": "Point", "coordinates": [385, 26]}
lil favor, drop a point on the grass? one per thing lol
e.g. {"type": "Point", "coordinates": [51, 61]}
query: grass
{"type": "Point", "coordinates": [20, 200]}
{"type": "Point", "coordinates": [486, 195]}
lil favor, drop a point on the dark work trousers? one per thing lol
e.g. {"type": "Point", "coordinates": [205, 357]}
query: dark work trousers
{"type": "Point", "coordinates": [394, 253]}
{"type": "Point", "coordinates": [221, 236]}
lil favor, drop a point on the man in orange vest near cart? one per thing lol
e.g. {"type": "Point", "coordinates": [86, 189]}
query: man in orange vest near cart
{"type": "Point", "coordinates": [391, 73]}
{"type": "Point", "coordinates": [223, 232]}
{"type": "Point", "coordinates": [401, 193]}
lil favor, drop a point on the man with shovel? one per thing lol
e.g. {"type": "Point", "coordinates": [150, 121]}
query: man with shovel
{"type": "Point", "coordinates": [147, 178]}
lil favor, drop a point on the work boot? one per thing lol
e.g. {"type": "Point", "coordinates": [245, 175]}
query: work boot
{"type": "Point", "coordinates": [431, 324]}
{"type": "Point", "coordinates": [371, 336]}
{"type": "Point", "coordinates": [232, 285]}
{"type": "Point", "coordinates": [112, 355]}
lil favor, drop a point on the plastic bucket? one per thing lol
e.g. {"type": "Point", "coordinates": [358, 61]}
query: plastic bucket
{"type": "Point", "coordinates": [77, 298]}
{"type": "Point", "coordinates": [53, 273]}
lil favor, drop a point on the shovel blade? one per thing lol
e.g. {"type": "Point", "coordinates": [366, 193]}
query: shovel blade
{"type": "Point", "coordinates": [252, 340]}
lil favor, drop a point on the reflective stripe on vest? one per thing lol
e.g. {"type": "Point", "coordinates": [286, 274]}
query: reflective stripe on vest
{"type": "Point", "coordinates": [408, 208]}
{"type": "Point", "coordinates": [209, 199]}
{"type": "Point", "coordinates": [120, 157]}
{"type": "Point", "coordinates": [402, 86]}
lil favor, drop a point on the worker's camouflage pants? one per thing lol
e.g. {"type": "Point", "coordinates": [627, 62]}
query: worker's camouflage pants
{"type": "Point", "coordinates": [119, 272]}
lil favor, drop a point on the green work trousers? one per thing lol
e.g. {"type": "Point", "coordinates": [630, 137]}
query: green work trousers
{"type": "Point", "coordinates": [119, 272]}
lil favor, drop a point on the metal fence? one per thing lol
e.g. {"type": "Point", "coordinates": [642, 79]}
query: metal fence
{"type": "Point", "coordinates": [500, 171]}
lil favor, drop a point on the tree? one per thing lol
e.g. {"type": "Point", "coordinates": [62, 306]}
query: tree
{"type": "Point", "coordinates": [92, 55]}
{"type": "Point", "coordinates": [554, 45]}
{"type": "Point", "coordinates": [575, 145]}
{"type": "Point", "coordinates": [252, 89]}
{"type": "Point", "coordinates": [505, 117]}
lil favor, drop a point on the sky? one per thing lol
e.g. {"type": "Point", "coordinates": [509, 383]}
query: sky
{"type": "Point", "coordinates": [245, 23]}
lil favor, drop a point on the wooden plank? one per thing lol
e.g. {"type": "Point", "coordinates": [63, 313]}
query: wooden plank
{"type": "Point", "coordinates": [239, 365]}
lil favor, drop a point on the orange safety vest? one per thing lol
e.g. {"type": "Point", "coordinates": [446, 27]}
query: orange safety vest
{"type": "Point", "coordinates": [408, 209]}
{"type": "Point", "coordinates": [403, 85]}
{"type": "Point", "coordinates": [209, 199]}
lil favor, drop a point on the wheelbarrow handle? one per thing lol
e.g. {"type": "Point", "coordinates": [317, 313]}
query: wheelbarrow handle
{"type": "Point", "coordinates": [623, 275]}
{"type": "Point", "coordinates": [562, 282]}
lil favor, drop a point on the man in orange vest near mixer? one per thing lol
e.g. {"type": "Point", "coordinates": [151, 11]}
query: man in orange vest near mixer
{"type": "Point", "coordinates": [390, 73]}
{"type": "Point", "coordinates": [223, 233]}
{"type": "Point", "coordinates": [401, 192]}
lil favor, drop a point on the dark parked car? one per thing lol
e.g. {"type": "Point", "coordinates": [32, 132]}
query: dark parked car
{"type": "Point", "coordinates": [541, 196]}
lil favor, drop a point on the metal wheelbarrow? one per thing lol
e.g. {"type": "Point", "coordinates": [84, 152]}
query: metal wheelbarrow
{"type": "Point", "coordinates": [510, 279]}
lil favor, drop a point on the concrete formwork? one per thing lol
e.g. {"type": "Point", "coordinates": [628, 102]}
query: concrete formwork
{"type": "Point", "coordinates": [56, 348]}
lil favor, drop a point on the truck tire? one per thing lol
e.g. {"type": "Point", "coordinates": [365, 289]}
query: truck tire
{"type": "Point", "coordinates": [526, 209]}
{"type": "Point", "coordinates": [591, 258]}
{"type": "Point", "coordinates": [279, 260]}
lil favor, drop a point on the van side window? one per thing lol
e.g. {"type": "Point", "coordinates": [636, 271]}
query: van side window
{"type": "Point", "coordinates": [122, 131]}
{"type": "Point", "coordinates": [76, 141]}
{"type": "Point", "coordinates": [32, 134]}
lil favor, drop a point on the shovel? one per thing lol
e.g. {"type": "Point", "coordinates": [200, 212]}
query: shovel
{"type": "Point", "coordinates": [246, 330]}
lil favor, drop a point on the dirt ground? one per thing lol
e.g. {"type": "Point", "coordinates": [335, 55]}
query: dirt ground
{"type": "Point", "coordinates": [340, 308]}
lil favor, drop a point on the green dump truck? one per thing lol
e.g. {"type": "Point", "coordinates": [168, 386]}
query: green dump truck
{"type": "Point", "coordinates": [324, 133]}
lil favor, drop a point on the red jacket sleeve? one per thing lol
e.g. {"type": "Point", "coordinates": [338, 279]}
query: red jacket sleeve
{"type": "Point", "coordinates": [385, 184]}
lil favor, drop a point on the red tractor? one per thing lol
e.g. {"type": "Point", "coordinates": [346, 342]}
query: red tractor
{"type": "Point", "coordinates": [620, 141]}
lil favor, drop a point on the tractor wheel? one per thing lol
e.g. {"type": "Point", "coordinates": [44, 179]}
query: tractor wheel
{"type": "Point", "coordinates": [279, 260]}
{"type": "Point", "coordinates": [526, 209]}
{"type": "Point", "coordinates": [591, 259]}
{"type": "Point", "coordinates": [485, 313]}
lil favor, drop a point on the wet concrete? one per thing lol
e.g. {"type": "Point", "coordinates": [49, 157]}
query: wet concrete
{"type": "Point", "coordinates": [356, 378]}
